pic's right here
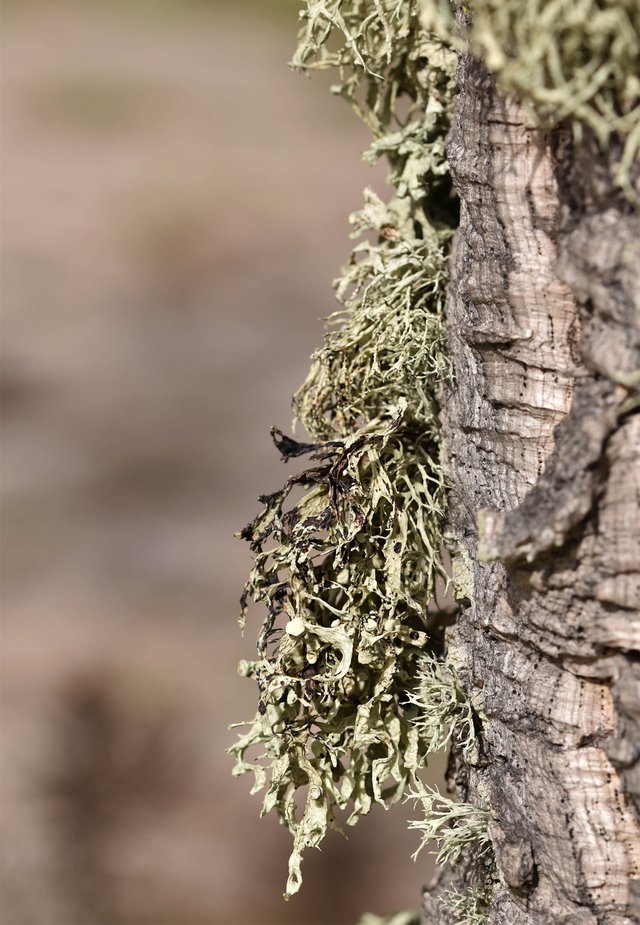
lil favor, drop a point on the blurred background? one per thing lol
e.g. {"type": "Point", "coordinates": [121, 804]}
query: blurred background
{"type": "Point", "coordinates": [175, 205]}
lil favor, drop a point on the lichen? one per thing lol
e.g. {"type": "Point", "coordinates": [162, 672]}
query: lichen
{"type": "Point", "coordinates": [445, 712]}
{"type": "Point", "coordinates": [575, 60]}
{"type": "Point", "coordinates": [459, 829]}
{"type": "Point", "coordinates": [454, 826]}
{"type": "Point", "coordinates": [469, 906]}
{"type": "Point", "coordinates": [405, 917]}
{"type": "Point", "coordinates": [388, 344]}
{"type": "Point", "coordinates": [352, 698]}
{"type": "Point", "coordinates": [346, 574]}
{"type": "Point", "coordinates": [347, 571]}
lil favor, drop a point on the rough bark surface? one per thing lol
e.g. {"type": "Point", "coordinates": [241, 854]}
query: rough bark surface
{"type": "Point", "coordinates": [543, 446]}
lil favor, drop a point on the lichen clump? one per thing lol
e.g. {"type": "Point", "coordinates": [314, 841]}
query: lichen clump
{"type": "Point", "coordinates": [347, 570]}
{"type": "Point", "coordinates": [446, 715]}
{"type": "Point", "coordinates": [470, 906]}
{"type": "Point", "coordinates": [453, 826]}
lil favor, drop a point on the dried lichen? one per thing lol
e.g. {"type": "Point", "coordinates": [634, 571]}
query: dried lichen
{"type": "Point", "coordinates": [566, 59]}
{"type": "Point", "coordinates": [347, 571]}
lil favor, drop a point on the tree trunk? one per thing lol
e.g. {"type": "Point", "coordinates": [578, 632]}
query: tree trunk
{"type": "Point", "coordinates": [543, 447]}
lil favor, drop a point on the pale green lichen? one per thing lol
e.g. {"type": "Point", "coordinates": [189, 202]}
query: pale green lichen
{"type": "Point", "coordinates": [346, 574]}
{"type": "Point", "coordinates": [453, 826]}
{"type": "Point", "coordinates": [576, 60]}
{"type": "Point", "coordinates": [459, 829]}
{"type": "Point", "coordinates": [405, 917]}
{"type": "Point", "coordinates": [388, 343]}
{"type": "Point", "coordinates": [471, 905]}
{"type": "Point", "coordinates": [348, 570]}
{"type": "Point", "coordinates": [445, 712]}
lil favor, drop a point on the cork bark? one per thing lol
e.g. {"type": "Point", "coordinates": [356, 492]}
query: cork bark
{"type": "Point", "coordinates": [543, 454]}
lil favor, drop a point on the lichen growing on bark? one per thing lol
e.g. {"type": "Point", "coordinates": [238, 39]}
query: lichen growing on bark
{"type": "Point", "coordinates": [470, 906]}
{"type": "Point", "coordinates": [348, 570]}
{"type": "Point", "coordinates": [575, 60]}
{"type": "Point", "coordinates": [350, 705]}
{"type": "Point", "coordinates": [459, 828]}
{"type": "Point", "coordinates": [452, 825]}
{"type": "Point", "coordinates": [445, 715]}
{"type": "Point", "coordinates": [388, 343]}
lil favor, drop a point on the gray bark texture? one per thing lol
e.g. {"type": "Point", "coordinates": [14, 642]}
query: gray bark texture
{"type": "Point", "coordinates": [543, 451]}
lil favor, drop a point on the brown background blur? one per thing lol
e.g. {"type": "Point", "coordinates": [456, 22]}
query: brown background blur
{"type": "Point", "coordinates": [174, 208]}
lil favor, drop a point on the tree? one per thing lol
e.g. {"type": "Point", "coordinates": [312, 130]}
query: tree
{"type": "Point", "coordinates": [527, 410]}
{"type": "Point", "coordinates": [544, 438]}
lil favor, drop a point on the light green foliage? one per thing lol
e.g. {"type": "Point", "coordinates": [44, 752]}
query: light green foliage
{"type": "Point", "coordinates": [453, 826]}
{"type": "Point", "coordinates": [567, 59]}
{"type": "Point", "coordinates": [347, 571]}
{"type": "Point", "coordinates": [445, 712]}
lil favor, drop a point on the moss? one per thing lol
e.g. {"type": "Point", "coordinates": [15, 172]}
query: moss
{"type": "Point", "coordinates": [575, 60]}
